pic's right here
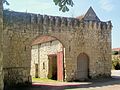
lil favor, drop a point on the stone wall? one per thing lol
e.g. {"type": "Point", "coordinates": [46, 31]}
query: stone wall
{"type": "Point", "coordinates": [90, 37]}
{"type": "Point", "coordinates": [1, 44]}
{"type": "Point", "coordinates": [34, 60]}
{"type": "Point", "coordinates": [95, 41]}
{"type": "Point", "coordinates": [19, 34]}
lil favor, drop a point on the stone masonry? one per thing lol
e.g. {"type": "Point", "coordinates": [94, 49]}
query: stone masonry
{"type": "Point", "coordinates": [88, 35]}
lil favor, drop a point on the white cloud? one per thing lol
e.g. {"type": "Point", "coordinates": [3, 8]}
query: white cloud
{"type": "Point", "coordinates": [106, 5]}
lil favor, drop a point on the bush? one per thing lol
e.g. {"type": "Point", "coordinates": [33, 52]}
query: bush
{"type": "Point", "coordinates": [114, 52]}
{"type": "Point", "coordinates": [116, 64]}
{"type": "Point", "coordinates": [117, 67]}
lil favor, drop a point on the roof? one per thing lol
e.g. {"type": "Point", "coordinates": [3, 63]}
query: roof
{"type": "Point", "coordinates": [80, 17]}
{"type": "Point", "coordinates": [91, 15]}
{"type": "Point", "coordinates": [43, 39]}
{"type": "Point", "coordinates": [116, 49]}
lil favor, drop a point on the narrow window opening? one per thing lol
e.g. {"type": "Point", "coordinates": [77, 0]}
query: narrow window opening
{"type": "Point", "coordinates": [43, 65]}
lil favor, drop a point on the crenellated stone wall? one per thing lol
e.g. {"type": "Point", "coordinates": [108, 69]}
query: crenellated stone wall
{"type": "Point", "coordinates": [20, 29]}
{"type": "Point", "coordinates": [39, 23]}
{"type": "Point", "coordinates": [77, 36]}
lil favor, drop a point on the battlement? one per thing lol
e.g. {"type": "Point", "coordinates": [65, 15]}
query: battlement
{"type": "Point", "coordinates": [97, 25]}
{"type": "Point", "coordinates": [30, 18]}
{"type": "Point", "coordinates": [11, 17]}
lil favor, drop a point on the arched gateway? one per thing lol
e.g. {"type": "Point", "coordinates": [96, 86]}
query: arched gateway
{"type": "Point", "coordinates": [89, 35]}
{"type": "Point", "coordinates": [47, 58]}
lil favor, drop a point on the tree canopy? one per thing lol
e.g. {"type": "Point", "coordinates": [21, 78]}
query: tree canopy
{"type": "Point", "coordinates": [63, 4]}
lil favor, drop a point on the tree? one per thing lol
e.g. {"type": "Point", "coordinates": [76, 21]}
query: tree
{"type": "Point", "coordinates": [63, 4]}
{"type": "Point", "coordinates": [6, 2]}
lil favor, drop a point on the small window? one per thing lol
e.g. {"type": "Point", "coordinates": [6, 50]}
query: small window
{"type": "Point", "coordinates": [43, 65]}
{"type": "Point", "coordinates": [25, 48]}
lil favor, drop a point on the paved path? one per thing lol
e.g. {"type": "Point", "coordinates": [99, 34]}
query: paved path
{"type": "Point", "coordinates": [103, 84]}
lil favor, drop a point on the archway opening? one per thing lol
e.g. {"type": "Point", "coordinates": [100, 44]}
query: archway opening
{"type": "Point", "coordinates": [47, 60]}
{"type": "Point", "coordinates": [82, 67]}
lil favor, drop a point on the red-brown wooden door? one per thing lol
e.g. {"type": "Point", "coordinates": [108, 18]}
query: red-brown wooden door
{"type": "Point", "coordinates": [60, 66]}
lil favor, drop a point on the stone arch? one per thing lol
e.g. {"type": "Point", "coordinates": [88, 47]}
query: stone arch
{"type": "Point", "coordinates": [82, 66]}
{"type": "Point", "coordinates": [54, 62]}
{"type": "Point", "coordinates": [53, 36]}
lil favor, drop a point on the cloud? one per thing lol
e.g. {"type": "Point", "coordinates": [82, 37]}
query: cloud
{"type": "Point", "coordinates": [106, 5]}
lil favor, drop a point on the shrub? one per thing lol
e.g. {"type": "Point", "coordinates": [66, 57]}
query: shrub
{"type": "Point", "coordinates": [116, 64]}
{"type": "Point", "coordinates": [117, 67]}
{"type": "Point", "coordinates": [114, 52]}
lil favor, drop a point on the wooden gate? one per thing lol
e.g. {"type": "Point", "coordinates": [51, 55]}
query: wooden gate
{"type": "Point", "coordinates": [82, 66]}
{"type": "Point", "coordinates": [60, 66]}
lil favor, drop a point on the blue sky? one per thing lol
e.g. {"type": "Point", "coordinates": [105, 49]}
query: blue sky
{"type": "Point", "coordinates": [105, 9]}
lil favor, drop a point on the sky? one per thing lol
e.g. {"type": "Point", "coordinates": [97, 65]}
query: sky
{"type": "Point", "coordinates": [105, 9]}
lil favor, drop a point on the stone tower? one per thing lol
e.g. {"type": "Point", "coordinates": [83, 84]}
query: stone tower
{"type": "Point", "coordinates": [97, 44]}
{"type": "Point", "coordinates": [1, 53]}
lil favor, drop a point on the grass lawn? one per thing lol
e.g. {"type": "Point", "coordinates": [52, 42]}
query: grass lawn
{"type": "Point", "coordinates": [43, 80]}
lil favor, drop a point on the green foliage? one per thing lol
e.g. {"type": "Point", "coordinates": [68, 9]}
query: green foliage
{"type": "Point", "coordinates": [63, 4]}
{"type": "Point", "coordinates": [44, 80]}
{"type": "Point", "coordinates": [114, 52]}
{"type": "Point", "coordinates": [5, 2]}
{"type": "Point", "coordinates": [116, 64]}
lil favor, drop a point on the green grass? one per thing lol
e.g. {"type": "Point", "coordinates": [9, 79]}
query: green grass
{"type": "Point", "coordinates": [43, 80]}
